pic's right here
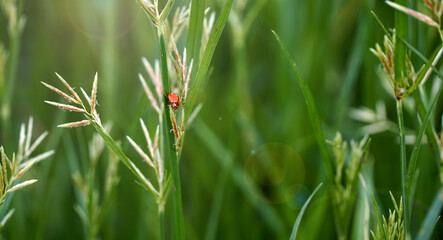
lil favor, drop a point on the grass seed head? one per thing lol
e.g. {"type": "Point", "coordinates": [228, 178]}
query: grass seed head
{"type": "Point", "coordinates": [21, 185]}
{"type": "Point", "coordinates": [140, 152]}
{"type": "Point", "coordinates": [61, 93]}
{"type": "Point", "coordinates": [69, 88]}
{"type": "Point", "coordinates": [414, 14]}
{"type": "Point", "coordinates": [65, 106]}
{"type": "Point", "coordinates": [94, 93]}
{"type": "Point", "coordinates": [75, 124]}
{"type": "Point", "coordinates": [149, 94]}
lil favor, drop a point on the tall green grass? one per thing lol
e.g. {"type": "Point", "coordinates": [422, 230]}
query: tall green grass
{"type": "Point", "coordinates": [251, 99]}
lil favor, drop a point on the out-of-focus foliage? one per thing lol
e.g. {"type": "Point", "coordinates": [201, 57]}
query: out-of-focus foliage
{"type": "Point", "coordinates": [250, 160]}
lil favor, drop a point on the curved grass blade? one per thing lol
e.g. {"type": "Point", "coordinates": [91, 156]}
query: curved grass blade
{"type": "Point", "coordinates": [428, 224]}
{"type": "Point", "coordinates": [302, 211]}
{"type": "Point", "coordinates": [312, 109]}
{"type": "Point", "coordinates": [207, 56]}
{"type": "Point", "coordinates": [375, 205]}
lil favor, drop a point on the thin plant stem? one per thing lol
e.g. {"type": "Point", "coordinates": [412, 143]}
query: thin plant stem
{"type": "Point", "coordinates": [169, 144]}
{"type": "Point", "coordinates": [91, 207]}
{"type": "Point", "coordinates": [401, 30]}
{"type": "Point", "coordinates": [401, 128]}
{"type": "Point", "coordinates": [161, 221]}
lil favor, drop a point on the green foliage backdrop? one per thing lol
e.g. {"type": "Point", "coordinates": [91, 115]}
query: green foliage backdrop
{"type": "Point", "coordinates": [253, 110]}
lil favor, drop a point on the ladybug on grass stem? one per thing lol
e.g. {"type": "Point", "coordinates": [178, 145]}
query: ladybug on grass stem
{"type": "Point", "coordinates": [174, 100]}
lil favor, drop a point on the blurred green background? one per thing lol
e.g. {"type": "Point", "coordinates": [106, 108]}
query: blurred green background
{"type": "Point", "coordinates": [252, 108]}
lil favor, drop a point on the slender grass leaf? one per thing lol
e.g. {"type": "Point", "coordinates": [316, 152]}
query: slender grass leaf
{"type": "Point", "coordinates": [428, 224]}
{"type": "Point", "coordinates": [302, 211]}
{"type": "Point", "coordinates": [202, 71]}
{"type": "Point", "coordinates": [434, 69]}
{"type": "Point", "coordinates": [425, 69]}
{"type": "Point", "coordinates": [312, 109]}
{"type": "Point", "coordinates": [430, 130]}
{"type": "Point", "coordinates": [414, 155]}
{"type": "Point", "coordinates": [169, 152]}
{"type": "Point", "coordinates": [375, 205]}
{"type": "Point", "coordinates": [381, 25]}
{"type": "Point", "coordinates": [417, 144]}
{"type": "Point", "coordinates": [195, 29]}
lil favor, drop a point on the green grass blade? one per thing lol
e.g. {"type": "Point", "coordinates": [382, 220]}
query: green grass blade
{"type": "Point", "coordinates": [430, 130]}
{"type": "Point", "coordinates": [427, 226]}
{"type": "Point", "coordinates": [193, 40]}
{"type": "Point", "coordinates": [417, 144]}
{"type": "Point", "coordinates": [203, 68]}
{"type": "Point", "coordinates": [375, 205]}
{"type": "Point", "coordinates": [424, 71]}
{"type": "Point", "coordinates": [426, 119]}
{"type": "Point", "coordinates": [302, 211]}
{"type": "Point", "coordinates": [381, 25]}
{"type": "Point", "coordinates": [169, 146]}
{"type": "Point", "coordinates": [414, 50]}
{"type": "Point", "coordinates": [313, 113]}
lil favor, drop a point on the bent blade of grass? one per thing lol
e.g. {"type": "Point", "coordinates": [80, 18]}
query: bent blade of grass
{"type": "Point", "coordinates": [207, 56]}
{"type": "Point", "coordinates": [193, 40]}
{"type": "Point", "coordinates": [428, 224]}
{"type": "Point", "coordinates": [312, 109]}
{"type": "Point", "coordinates": [302, 211]}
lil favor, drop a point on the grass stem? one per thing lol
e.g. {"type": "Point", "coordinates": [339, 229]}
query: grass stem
{"type": "Point", "coordinates": [403, 167]}
{"type": "Point", "coordinates": [161, 221]}
{"type": "Point", "coordinates": [169, 142]}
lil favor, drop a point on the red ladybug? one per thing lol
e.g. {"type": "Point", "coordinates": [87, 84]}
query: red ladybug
{"type": "Point", "coordinates": [175, 100]}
